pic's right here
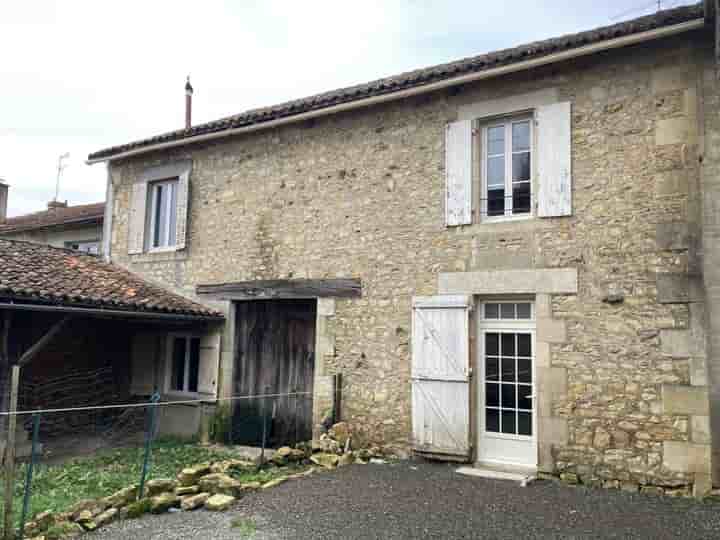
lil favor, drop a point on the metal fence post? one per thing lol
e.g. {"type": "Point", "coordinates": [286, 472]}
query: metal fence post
{"type": "Point", "coordinates": [29, 475]}
{"type": "Point", "coordinates": [264, 427]}
{"type": "Point", "coordinates": [148, 441]}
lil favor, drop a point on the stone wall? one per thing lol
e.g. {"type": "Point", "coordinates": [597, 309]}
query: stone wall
{"type": "Point", "coordinates": [361, 194]}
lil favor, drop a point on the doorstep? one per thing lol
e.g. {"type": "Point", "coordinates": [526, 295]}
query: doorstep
{"type": "Point", "coordinates": [521, 475]}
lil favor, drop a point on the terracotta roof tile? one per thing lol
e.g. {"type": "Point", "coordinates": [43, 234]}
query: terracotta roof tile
{"type": "Point", "coordinates": [420, 77]}
{"type": "Point", "coordinates": [55, 217]}
{"type": "Point", "coordinates": [36, 273]}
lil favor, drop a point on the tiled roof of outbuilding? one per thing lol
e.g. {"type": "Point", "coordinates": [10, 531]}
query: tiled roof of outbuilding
{"type": "Point", "coordinates": [420, 77]}
{"type": "Point", "coordinates": [36, 273]}
{"type": "Point", "coordinates": [55, 217]}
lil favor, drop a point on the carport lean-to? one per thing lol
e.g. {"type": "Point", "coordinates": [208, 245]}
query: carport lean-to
{"type": "Point", "coordinates": [60, 308]}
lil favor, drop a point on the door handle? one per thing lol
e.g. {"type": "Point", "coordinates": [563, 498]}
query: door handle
{"type": "Point", "coordinates": [531, 396]}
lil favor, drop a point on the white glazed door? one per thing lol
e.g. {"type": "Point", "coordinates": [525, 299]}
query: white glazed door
{"type": "Point", "coordinates": [506, 394]}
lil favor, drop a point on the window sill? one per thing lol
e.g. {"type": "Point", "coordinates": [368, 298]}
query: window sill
{"type": "Point", "coordinates": [168, 249]}
{"type": "Point", "coordinates": [505, 219]}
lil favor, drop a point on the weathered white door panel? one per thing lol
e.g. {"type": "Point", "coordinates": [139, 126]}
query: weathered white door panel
{"type": "Point", "coordinates": [440, 375]}
{"type": "Point", "coordinates": [554, 160]}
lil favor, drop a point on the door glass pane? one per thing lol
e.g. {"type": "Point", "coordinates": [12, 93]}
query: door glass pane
{"type": "Point", "coordinates": [508, 396]}
{"type": "Point", "coordinates": [508, 422]}
{"type": "Point", "coordinates": [491, 311]}
{"type": "Point", "coordinates": [194, 367]}
{"type": "Point", "coordinates": [491, 369]}
{"type": "Point", "coordinates": [492, 420]}
{"type": "Point", "coordinates": [524, 423]}
{"type": "Point", "coordinates": [157, 215]}
{"type": "Point", "coordinates": [524, 347]}
{"type": "Point", "coordinates": [492, 394]}
{"type": "Point", "coordinates": [507, 311]}
{"type": "Point", "coordinates": [521, 198]}
{"type": "Point", "coordinates": [524, 402]}
{"type": "Point", "coordinates": [508, 345]}
{"type": "Point", "coordinates": [524, 370]}
{"type": "Point", "coordinates": [508, 369]}
{"type": "Point", "coordinates": [491, 344]}
{"type": "Point", "coordinates": [521, 136]}
{"type": "Point", "coordinates": [178, 371]}
{"type": "Point", "coordinates": [523, 310]}
{"type": "Point", "coordinates": [496, 140]}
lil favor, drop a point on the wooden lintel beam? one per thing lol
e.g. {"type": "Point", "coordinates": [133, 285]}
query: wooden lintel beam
{"type": "Point", "coordinates": [39, 344]}
{"type": "Point", "coordinates": [284, 289]}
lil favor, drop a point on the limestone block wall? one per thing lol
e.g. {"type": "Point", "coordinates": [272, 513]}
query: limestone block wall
{"type": "Point", "coordinates": [361, 194]}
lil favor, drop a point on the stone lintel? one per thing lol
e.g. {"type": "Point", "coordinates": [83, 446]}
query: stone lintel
{"type": "Point", "coordinates": [532, 281]}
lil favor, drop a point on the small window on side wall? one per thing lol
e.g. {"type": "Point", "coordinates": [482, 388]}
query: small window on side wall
{"type": "Point", "coordinates": [506, 169]}
{"type": "Point", "coordinates": [162, 214]}
{"type": "Point", "coordinates": [184, 364]}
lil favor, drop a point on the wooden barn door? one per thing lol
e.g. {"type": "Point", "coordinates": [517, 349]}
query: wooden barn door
{"type": "Point", "coordinates": [275, 355]}
{"type": "Point", "coordinates": [441, 376]}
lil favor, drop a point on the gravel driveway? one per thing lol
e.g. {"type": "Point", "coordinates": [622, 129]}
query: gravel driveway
{"type": "Point", "coordinates": [423, 500]}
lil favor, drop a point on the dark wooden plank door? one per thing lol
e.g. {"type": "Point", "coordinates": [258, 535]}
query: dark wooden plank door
{"type": "Point", "coordinates": [275, 354]}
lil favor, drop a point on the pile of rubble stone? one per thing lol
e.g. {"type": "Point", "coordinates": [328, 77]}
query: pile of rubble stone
{"type": "Point", "coordinates": [206, 486]}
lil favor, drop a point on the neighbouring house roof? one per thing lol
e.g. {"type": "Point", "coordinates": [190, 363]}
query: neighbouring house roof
{"type": "Point", "coordinates": [81, 214]}
{"type": "Point", "coordinates": [39, 274]}
{"type": "Point", "coordinates": [418, 78]}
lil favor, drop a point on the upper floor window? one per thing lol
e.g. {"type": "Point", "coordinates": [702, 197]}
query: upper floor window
{"type": "Point", "coordinates": [506, 168]}
{"type": "Point", "coordinates": [162, 214]}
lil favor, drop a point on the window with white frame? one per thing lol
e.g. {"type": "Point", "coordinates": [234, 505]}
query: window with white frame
{"type": "Point", "coordinates": [184, 364]}
{"type": "Point", "coordinates": [507, 168]}
{"type": "Point", "coordinates": [162, 214]}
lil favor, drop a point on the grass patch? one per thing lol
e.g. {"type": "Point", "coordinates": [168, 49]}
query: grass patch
{"type": "Point", "coordinates": [57, 487]}
{"type": "Point", "coordinates": [245, 527]}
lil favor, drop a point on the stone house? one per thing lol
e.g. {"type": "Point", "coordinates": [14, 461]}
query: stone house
{"type": "Point", "coordinates": [510, 259]}
{"type": "Point", "coordinates": [77, 227]}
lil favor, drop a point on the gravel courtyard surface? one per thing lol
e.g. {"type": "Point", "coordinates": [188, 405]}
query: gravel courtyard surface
{"type": "Point", "coordinates": [422, 500]}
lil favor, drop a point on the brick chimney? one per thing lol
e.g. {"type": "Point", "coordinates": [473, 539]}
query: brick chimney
{"type": "Point", "coordinates": [3, 200]}
{"type": "Point", "coordinates": [188, 103]}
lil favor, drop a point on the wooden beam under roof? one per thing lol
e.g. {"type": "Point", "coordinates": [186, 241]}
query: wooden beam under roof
{"type": "Point", "coordinates": [284, 289]}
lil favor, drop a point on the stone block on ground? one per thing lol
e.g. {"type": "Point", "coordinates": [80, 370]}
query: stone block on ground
{"type": "Point", "coordinates": [191, 502]}
{"type": "Point", "coordinates": [187, 490]}
{"type": "Point", "coordinates": [220, 483]}
{"type": "Point", "coordinates": [189, 476]}
{"type": "Point", "coordinates": [324, 459]}
{"type": "Point", "coordinates": [163, 502]}
{"type": "Point", "coordinates": [122, 497]}
{"type": "Point", "coordinates": [274, 482]}
{"type": "Point", "coordinates": [159, 485]}
{"type": "Point", "coordinates": [219, 502]}
{"type": "Point", "coordinates": [106, 517]}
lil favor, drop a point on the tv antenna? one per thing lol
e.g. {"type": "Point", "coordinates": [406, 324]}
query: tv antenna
{"type": "Point", "coordinates": [60, 168]}
{"type": "Point", "coordinates": [658, 4]}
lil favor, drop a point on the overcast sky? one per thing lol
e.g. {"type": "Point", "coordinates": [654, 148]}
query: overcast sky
{"type": "Point", "coordinates": [78, 76]}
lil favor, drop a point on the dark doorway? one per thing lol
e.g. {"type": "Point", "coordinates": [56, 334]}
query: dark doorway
{"type": "Point", "coordinates": [275, 354]}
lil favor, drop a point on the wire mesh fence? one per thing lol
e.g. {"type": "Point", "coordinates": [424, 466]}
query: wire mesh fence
{"type": "Point", "coordinates": [66, 454]}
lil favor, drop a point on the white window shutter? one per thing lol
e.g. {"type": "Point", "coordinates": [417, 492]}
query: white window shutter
{"type": "Point", "coordinates": [136, 223]}
{"type": "Point", "coordinates": [441, 375]}
{"type": "Point", "coordinates": [209, 361]}
{"type": "Point", "coordinates": [458, 173]}
{"type": "Point", "coordinates": [183, 191]}
{"type": "Point", "coordinates": [554, 160]}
